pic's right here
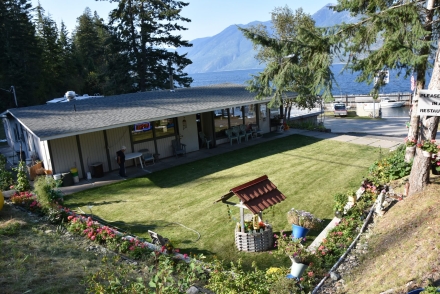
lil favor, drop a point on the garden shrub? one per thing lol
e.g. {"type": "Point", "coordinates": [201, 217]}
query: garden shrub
{"type": "Point", "coordinates": [391, 167]}
{"type": "Point", "coordinates": [6, 178]}
{"type": "Point", "coordinates": [22, 180]}
{"type": "Point", "coordinates": [46, 190]}
{"type": "Point", "coordinates": [163, 275]}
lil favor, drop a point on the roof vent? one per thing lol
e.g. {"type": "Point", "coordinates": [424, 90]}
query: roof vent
{"type": "Point", "coordinates": [70, 95]}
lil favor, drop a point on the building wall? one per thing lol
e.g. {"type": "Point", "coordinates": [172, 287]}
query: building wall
{"type": "Point", "coordinates": [190, 135]}
{"type": "Point", "coordinates": [65, 155]}
{"type": "Point", "coordinates": [149, 145]}
{"type": "Point", "coordinates": [93, 150]}
{"type": "Point", "coordinates": [42, 150]}
{"type": "Point", "coordinates": [116, 138]}
{"type": "Point", "coordinates": [164, 147]}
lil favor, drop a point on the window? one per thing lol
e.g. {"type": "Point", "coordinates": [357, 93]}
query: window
{"type": "Point", "coordinates": [221, 122]}
{"type": "Point", "coordinates": [144, 131]}
{"type": "Point", "coordinates": [164, 127]}
{"type": "Point", "coordinates": [250, 114]}
{"type": "Point", "coordinates": [236, 116]}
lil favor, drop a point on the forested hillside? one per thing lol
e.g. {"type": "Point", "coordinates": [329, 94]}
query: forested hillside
{"type": "Point", "coordinates": [43, 61]}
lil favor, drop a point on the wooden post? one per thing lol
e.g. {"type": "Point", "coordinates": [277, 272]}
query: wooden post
{"type": "Point", "coordinates": [242, 216]}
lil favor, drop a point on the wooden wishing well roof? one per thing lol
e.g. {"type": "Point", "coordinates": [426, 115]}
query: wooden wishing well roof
{"type": "Point", "coordinates": [256, 195]}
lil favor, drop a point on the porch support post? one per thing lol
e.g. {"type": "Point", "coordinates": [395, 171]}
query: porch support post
{"type": "Point", "coordinates": [242, 216]}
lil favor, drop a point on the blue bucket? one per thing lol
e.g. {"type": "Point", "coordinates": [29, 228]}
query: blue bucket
{"type": "Point", "coordinates": [299, 232]}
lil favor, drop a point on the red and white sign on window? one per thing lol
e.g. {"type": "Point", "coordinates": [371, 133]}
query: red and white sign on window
{"type": "Point", "coordinates": [429, 103]}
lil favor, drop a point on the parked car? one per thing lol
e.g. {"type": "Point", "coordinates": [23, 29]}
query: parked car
{"type": "Point", "coordinates": [340, 109]}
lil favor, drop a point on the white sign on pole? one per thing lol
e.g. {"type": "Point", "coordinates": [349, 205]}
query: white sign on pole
{"type": "Point", "coordinates": [385, 74]}
{"type": "Point", "coordinates": [429, 103]}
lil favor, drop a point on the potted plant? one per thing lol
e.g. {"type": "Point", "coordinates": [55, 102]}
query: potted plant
{"type": "Point", "coordinates": [302, 221]}
{"type": "Point", "coordinates": [340, 201]}
{"type": "Point", "coordinates": [299, 255]}
{"type": "Point", "coordinates": [410, 142]}
{"type": "Point", "coordinates": [435, 165]}
{"type": "Point", "coordinates": [352, 197]}
{"type": "Point", "coordinates": [428, 147]}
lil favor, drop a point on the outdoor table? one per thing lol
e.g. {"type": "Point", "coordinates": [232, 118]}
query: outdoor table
{"type": "Point", "coordinates": [134, 155]}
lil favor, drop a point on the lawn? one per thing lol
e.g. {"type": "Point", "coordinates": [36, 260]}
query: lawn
{"type": "Point", "coordinates": [178, 203]}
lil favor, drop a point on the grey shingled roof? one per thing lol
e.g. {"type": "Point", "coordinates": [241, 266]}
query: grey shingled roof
{"type": "Point", "coordinates": [58, 120]}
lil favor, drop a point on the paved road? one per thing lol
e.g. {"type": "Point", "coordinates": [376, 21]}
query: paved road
{"type": "Point", "coordinates": [390, 127]}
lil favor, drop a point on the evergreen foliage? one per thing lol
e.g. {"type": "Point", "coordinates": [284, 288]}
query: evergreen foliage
{"type": "Point", "coordinates": [298, 57]}
{"type": "Point", "coordinates": [390, 35]}
{"type": "Point", "coordinates": [144, 29]}
{"type": "Point", "coordinates": [129, 54]}
{"type": "Point", "coordinates": [397, 35]}
{"type": "Point", "coordinates": [20, 54]}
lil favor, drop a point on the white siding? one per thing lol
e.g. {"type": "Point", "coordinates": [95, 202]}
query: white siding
{"type": "Point", "coordinates": [93, 150]}
{"type": "Point", "coordinates": [145, 145]}
{"type": "Point", "coordinates": [189, 136]}
{"type": "Point", "coordinates": [43, 154]}
{"type": "Point", "coordinates": [65, 155]}
{"type": "Point", "coordinates": [164, 147]}
{"type": "Point", "coordinates": [116, 138]}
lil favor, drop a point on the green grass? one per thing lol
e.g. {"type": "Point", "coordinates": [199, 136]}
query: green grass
{"type": "Point", "coordinates": [308, 171]}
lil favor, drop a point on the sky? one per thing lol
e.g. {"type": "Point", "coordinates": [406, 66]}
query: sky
{"type": "Point", "coordinates": [208, 17]}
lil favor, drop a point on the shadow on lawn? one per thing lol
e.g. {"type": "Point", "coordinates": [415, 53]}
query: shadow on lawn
{"type": "Point", "coordinates": [191, 171]}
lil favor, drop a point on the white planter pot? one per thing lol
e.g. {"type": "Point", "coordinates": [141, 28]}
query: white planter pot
{"type": "Point", "coordinates": [298, 269]}
{"type": "Point", "coordinates": [8, 194]}
{"type": "Point", "coordinates": [426, 153]}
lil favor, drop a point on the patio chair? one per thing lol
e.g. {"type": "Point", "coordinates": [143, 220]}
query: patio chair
{"type": "Point", "coordinates": [178, 148]}
{"type": "Point", "coordinates": [147, 156]}
{"type": "Point", "coordinates": [236, 131]}
{"type": "Point", "coordinates": [158, 239]}
{"type": "Point", "coordinates": [205, 140]}
{"type": "Point", "coordinates": [256, 131]}
{"type": "Point", "coordinates": [231, 136]}
{"type": "Point", "coordinates": [247, 133]}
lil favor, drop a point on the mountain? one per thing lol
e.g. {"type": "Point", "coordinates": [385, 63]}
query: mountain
{"type": "Point", "coordinates": [230, 50]}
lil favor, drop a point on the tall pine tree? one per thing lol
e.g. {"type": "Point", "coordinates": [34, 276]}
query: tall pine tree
{"type": "Point", "coordinates": [51, 62]}
{"type": "Point", "coordinates": [145, 30]}
{"type": "Point", "coordinates": [397, 35]}
{"type": "Point", "coordinates": [19, 58]}
{"type": "Point", "coordinates": [298, 57]}
{"type": "Point", "coordinates": [89, 38]}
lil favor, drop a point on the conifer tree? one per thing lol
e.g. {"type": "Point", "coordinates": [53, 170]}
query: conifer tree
{"type": "Point", "coordinates": [89, 40]}
{"type": "Point", "coordinates": [298, 57]}
{"type": "Point", "coordinates": [19, 58]}
{"type": "Point", "coordinates": [396, 35]}
{"type": "Point", "coordinates": [145, 29]}
{"type": "Point", "coordinates": [51, 56]}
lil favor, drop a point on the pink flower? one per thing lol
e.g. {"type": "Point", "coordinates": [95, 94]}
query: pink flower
{"type": "Point", "coordinates": [185, 255]}
{"type": "Point", "coordinates": [176, 250]}
{"type": "Point", "coordinates": [92, 238]}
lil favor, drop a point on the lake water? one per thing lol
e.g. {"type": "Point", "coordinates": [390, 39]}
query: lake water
{"type": "Point", "coordinates": [345, 85]}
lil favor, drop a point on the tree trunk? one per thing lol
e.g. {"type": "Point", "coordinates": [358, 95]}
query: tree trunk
{"type": "Point", "coordinates": [419, 173]}
{"type": "Point", "coordinates": [419, 177]}
{"type": "Point", "coordinates": [413, 125]}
